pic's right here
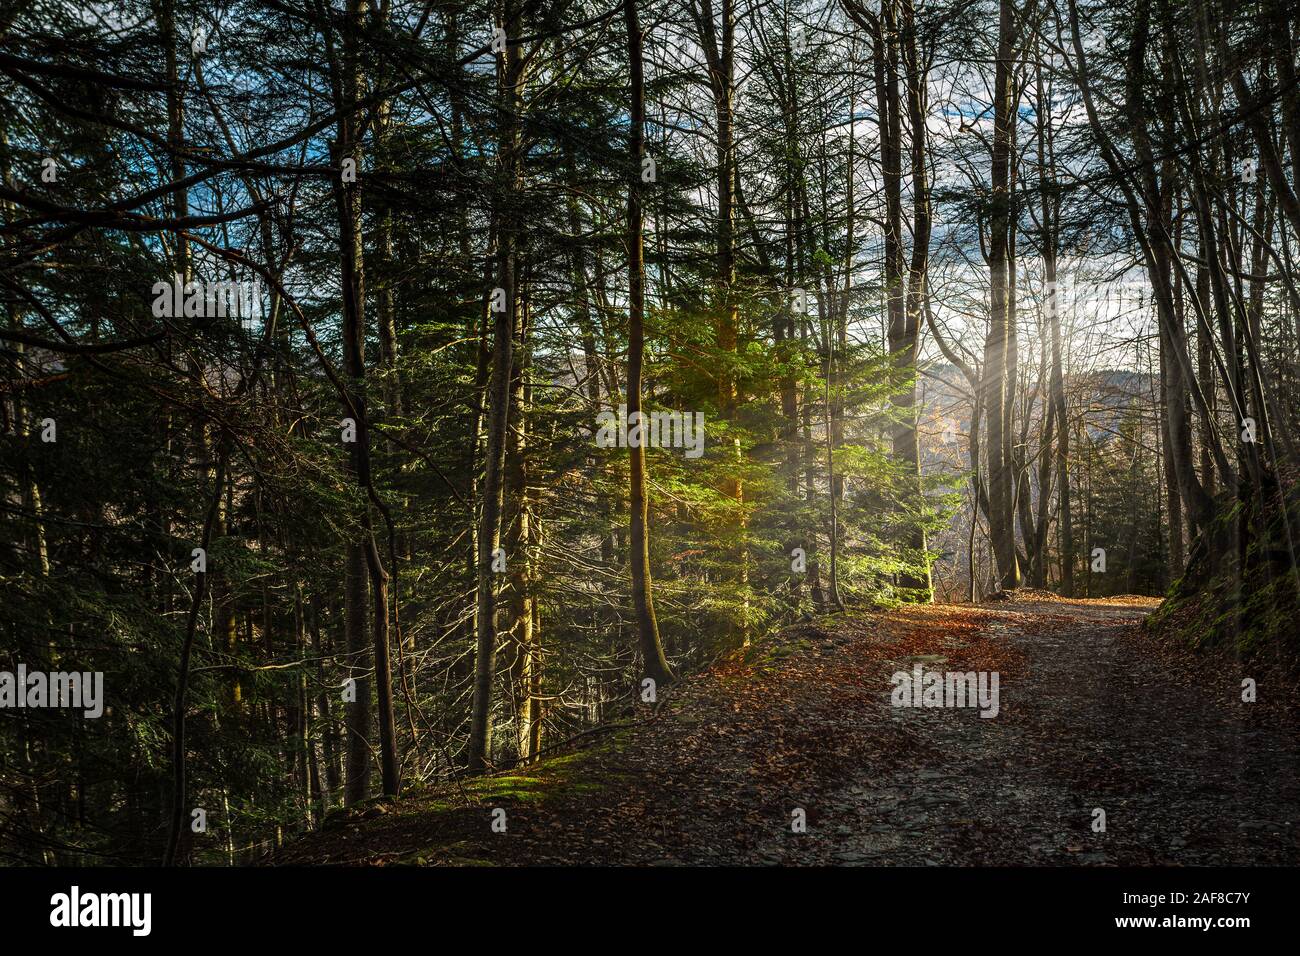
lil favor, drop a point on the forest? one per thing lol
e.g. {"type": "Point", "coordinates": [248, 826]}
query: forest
{"type": "Point", "coordinates": [396, 395]}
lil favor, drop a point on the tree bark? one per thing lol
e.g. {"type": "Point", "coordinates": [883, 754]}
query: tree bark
{"type": "Point", "coordinates": [994, 381]}
{"type": "Point", "coordinates": [510, 74]}
{"type": "Point", "coordinates": [352, 270]}
{"type": "Point", "coordinates": [652, 653]}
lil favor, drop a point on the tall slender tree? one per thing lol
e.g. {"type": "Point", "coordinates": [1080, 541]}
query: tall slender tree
{"type": "Point", "coordinates": [652, 652]}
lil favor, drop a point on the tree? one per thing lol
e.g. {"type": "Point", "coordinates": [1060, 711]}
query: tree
{"type": "Point", "coordinates": [656, 667]}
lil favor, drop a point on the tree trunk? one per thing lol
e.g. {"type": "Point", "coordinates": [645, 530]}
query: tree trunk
{"type": "Point", "coordinates": [994, 381]}
{"type": "Point", "coordinates": [906, 448]}
{"type": "Point", "coordinates": [652, 653]}
{"type": "Point", "coordinates": [348, 202]}
{"type": "Point", "coordinates": [510, 73]}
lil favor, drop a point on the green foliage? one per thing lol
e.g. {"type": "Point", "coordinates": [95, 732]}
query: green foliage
{"type": "Point", "coordinates": [1245, 601]}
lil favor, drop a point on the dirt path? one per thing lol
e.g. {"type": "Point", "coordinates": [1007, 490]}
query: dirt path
{"type": "Point", "coordinates": [1091, 716]}
{"type": "Point", "coordinates": [1094, 722]}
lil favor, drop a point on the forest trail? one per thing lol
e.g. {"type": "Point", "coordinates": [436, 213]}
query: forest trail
{"type": "Point", "coordinates": [1093, 713]}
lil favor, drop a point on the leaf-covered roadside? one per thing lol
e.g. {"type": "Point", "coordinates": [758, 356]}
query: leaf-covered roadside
{"type": "Point", "coordinates": [804, 721]}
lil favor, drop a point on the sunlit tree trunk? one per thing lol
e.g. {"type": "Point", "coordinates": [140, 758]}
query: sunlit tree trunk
{"type": "Point", "coordinates": [996, 345]}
